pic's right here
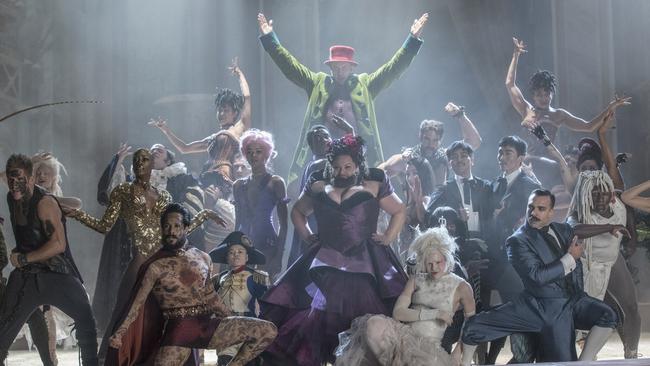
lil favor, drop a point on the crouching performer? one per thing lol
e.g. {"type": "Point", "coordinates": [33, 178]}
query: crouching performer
{"type": "Point", "coordinates": [174, 308]}
{"type": "Point", "coordinates": [241, 286]}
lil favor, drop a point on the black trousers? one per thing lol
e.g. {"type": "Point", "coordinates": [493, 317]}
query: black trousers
{"type": "Point", "coordinates": [27, 291]}
{"type": "Point", "coordinates": [554, 319]}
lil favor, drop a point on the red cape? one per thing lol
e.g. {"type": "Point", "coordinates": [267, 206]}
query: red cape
{"type": "Point", "coordinates": [142, 339]}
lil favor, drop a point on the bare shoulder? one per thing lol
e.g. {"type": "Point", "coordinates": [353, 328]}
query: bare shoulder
{"type": "Point", "coordinates": [276, 179]}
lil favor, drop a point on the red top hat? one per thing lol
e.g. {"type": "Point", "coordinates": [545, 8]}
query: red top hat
{"type": "Point", "coordinates": [341, 54]}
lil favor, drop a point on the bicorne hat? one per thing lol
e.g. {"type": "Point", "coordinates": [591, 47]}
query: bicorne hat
{"type": "Point", "coordinates": [220, 253]}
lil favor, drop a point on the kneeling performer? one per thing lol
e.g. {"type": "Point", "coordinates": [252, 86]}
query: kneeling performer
{"type": "Point", "coordinates": [174, 285]}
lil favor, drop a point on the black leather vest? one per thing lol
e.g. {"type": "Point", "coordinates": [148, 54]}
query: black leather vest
{"type": "Point", "coordinates": [32, 236]}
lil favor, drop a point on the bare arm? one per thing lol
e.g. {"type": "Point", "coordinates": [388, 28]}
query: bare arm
{"type": "Point", "coordinates": [280, 190]}
{"type": "Point", "coordinates": [402, 310]}
{"type": "Point", "coordinates": [516, 97]}
{"type": "Point", "coordinates": [180, 145]}
{"type": "Point", "coordinates": [467, 128]}
{"type": "Point", "coordinates": [395, 208]}
{"type": "Point", "coordinates": [608, 156]}
{"type": "Point", "coordinates": [244, 122]}
{"type": "Point", "coordinates": [50, 215]}
{"type": "Point", "coordinates": [568, 178]}
{"type": "Point", "coordinates": [578, 124]}
{"type": "Point", "coordinates": [299, 213]}
{"type": "Point", "coordinates": [393, 165]}
{"type": "Point", "coordinates": [632, 197]}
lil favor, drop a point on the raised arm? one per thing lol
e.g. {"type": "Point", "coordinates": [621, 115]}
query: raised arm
{"type": "Point", "coordinates": [568, 178]}
{"type": "Point", "coordinates": [180, 145]}
{"type": "Point", "coordinates": [632, 197]}
{"type": "Point", "coordinates": [393, 69]}
{"type": "Point", "coordinates": [244, 122]}
{"type": "Point", "coordinates": [608, 156]}
{"type": "Point", "coordinates": [578, 124]}
{"type": "Point", "coordinates": [470, 134]}
{"type": "Point", "coordinates": [147, 284]}
{"type": "Point", "coordinates": [516, 97]}
{"type": "Point", "coordinates": [292, 69]}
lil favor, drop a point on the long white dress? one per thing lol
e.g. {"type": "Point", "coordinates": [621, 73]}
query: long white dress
{"type": "Point", "coordinates": [412, 344]}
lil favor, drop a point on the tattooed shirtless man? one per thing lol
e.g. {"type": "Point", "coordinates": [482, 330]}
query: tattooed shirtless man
{"type": "Point", "coordinates": [177, 277]}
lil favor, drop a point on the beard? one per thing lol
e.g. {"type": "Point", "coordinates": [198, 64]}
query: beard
{"type": "Point", "coordinates": [339, 182]}
{"type": "Point", "coordinates": [180, 242]}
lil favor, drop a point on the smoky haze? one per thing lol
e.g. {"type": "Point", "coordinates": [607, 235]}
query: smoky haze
{"type": "Point", "coordinates": [145, 59]}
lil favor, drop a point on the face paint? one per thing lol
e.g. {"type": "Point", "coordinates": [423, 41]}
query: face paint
{"type": "Point", "coordinates": [18, 184]}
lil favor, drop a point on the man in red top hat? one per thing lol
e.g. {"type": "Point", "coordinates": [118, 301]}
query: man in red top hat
{"type": "Point", "coordinates": [341, 96]}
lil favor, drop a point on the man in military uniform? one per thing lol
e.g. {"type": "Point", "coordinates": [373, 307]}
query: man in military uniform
{"type": "Point", "coordinates": [241, 286]}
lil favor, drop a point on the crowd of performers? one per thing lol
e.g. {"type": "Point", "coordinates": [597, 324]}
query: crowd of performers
{"type": "Point", "coordinates": [438, 272]}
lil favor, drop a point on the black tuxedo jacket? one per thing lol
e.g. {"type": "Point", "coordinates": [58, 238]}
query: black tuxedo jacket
{"type": "Point", "coordinates": [481, 196]}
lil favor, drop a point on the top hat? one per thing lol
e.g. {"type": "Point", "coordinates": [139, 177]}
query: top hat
{"type": "Point", "coordinates": [220, 253]}
{"type": "Point", "coordinates": [341, 54]}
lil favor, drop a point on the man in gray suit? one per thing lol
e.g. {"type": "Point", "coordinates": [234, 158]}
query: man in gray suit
{"type": "Point", "coordinates": [547, 258]}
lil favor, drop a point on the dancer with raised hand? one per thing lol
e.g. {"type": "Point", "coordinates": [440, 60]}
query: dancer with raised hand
{"type": "Point", "coordinates": [342, 93]}
{"type": "Point", "coordinates": [234, 118]}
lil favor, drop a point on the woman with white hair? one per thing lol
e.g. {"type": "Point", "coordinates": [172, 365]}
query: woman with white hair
{"type": "Point", "coordinates": [420, 316]}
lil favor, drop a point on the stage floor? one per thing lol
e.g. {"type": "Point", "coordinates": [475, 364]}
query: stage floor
{"type": "Point", "coordinates": [613, 350]}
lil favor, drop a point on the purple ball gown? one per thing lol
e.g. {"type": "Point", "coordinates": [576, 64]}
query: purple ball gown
{"type": "Point", "coordinates": [346, 276]}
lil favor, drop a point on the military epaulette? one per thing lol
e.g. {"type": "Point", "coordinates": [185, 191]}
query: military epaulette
{"type": "Point", "coordinates": [261, 277]}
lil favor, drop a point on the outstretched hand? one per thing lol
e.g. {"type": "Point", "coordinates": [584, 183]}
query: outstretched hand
{"type": "Point", "coordinates": [123, 152]}
{"type": "Point", "coordinates": [266, 27]}
{"type": "Point", "coordinates": [618, 101]}
{"type": "Point", "coordinates": [234, 67]}
{"type": "Point", "coordinates": [158, 122]}
{"type": "Point", "coordinates": [418, 24]}
{"type": "Point", "coordinates": [520, 46]}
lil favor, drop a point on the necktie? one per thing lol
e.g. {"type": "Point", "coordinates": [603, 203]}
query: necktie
{"type": "Point", "coordinates": [502, 187]}
{"type": "Point", "coordinates": [555, 247]}
{"type": "Point", "coordinates": [467, 199]}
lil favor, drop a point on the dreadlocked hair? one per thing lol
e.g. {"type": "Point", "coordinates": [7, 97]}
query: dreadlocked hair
{"type": "Point", "coordinates": [543, 79]}
{"type": "Point", "coordinates": [427, 242]}
{"type": "Point", "coordinates": [226, 96]}
{"type": "Point", "coordinates": [353, 146]}
{"type": "Point", "coordinates": [582, 201]}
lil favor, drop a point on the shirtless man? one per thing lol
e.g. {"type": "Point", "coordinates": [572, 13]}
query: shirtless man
{"type": "Point", "coordinates": [234, 117]}
{"type": "Point", "coordinates": [543, 85]}
{"type": "Point", "coordinates": [178, 278]}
